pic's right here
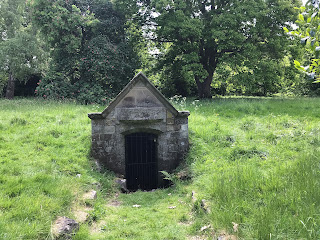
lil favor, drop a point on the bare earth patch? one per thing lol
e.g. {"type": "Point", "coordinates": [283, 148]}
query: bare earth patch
{"type": "Point", "coordinates": [225, 236]}
{"type": "Point", "coordinates": [114, 203]}
{"type": "Point", "coordinates": [197, 238]}
{"type": "Point", "coordinates": [187, 224]}
{"type": "Point", "coordinates": [96, 227]}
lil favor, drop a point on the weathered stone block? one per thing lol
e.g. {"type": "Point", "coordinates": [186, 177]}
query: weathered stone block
{"type": "Point", "coordinates": [91, 195]}
{"type": "Point", "coordinates": [184, 131]}
{"type": "Point", "coordinates": [181, 121]}
{"type": "Point", "coordinates": [170, 121]}
{"type": "Point", "coordinates": [146, 100]}
{"type": "Point", "coordinates": [105, 137]}
{"type": "Point", "coordinates": [172, 128]}
{"type": "Point", "coordinates": [109, 145]}
{"type": "Point", "coordinates": [140, 114]}
{"type": "Point", "coordinates": [110, 122]}
{"type": "Point", "coordinates": [184, 127]}
{"type": "Point", "coordinates": [109, 130]}
{"type": "Point", "coordinates": [64, 228]}
{"type": "Point", "coordinates": [95, 137]}
{"type": "Point", "coordinates": [175, 135]}
{"type": "Point", "coordinates": [97, 126]}
{"type": "Point", "coordinates": [173, 148]}
{"type": "Point", "coordinates": [170, 118]}
{"type": "Point", "coordinates": [172, 141]}
{"type": "Point", "coordinates": [129, 102]}
{"type": "Point", "coordinates": [93, 147]}
{"type": "Point", "coordinates": [111, 114]}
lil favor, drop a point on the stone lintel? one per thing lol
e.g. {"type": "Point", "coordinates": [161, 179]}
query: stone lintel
{"type": "Point", "coordinates": [140, 121]}
{"type": "Point", "coordinates": [138, 114]}
{"type": "Point", "coordinates": [173, 128]}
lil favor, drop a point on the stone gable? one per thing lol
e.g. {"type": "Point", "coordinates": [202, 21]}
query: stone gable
{"type": "Point", "coordinates": [140, 134]}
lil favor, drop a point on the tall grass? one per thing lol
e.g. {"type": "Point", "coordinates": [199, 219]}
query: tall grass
{"type": "Point", "coordinates": [44, 146]}
{"type": "Point", "coordinates": [255, 162]}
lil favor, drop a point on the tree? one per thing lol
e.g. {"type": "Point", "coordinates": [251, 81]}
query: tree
{"type": "Point", "coordinates": [20, 52]}
{"type": "Point", "coordinates": [203, 34]}
{"type": "Point", "coordinates": [308, 32]}
{"type": "Point", "coordinates": [91, 57]}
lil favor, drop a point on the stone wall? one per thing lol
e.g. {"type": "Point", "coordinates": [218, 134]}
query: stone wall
{"type": "Point", "coordinates": [140, 108]}
{"type": "Point", "coordinates": [108, 139]}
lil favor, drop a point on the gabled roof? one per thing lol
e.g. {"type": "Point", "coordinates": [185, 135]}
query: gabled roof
{"type": "Point", "coordinates": [140, 77]}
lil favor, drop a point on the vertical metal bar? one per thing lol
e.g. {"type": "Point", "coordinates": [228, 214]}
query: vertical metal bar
{"type": "Point", "coordinates": [136, 166]}
{"type": "Point", "coordinates": [139, 161]}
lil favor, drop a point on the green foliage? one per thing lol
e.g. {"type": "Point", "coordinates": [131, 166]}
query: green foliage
{"type": "Point", "coordinates": [308, 32]}
{"type": "Point", "coordinates": [170, 177]}
{"type": "Point", "coordinates": [20, 55]}
{"type": "Point", "coordinates": [21, 51]}
{"type": "Point", "coordinates": [195, 38]}
{"type": "Point", "coordinates": [3, 80]}
{"type": "Point", "coordinates": [173, 80]}
{"type": "Point", "coordinates": [89, 49]}
{"type": "Point", "coordinates": [109, 63]}
{"type": "Point", "coordinates": [55, 86]}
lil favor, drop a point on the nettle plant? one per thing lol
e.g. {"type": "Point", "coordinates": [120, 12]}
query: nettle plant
{"type": "Point", "coordinates": [308, 32]}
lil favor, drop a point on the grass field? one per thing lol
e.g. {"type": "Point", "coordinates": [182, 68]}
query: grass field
{"type": "Point", "coordinates": [254, 162]}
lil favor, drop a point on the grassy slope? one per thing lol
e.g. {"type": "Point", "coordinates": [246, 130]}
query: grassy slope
{"type": "Point", "coordinates": [256, 162]}
{"type": "Point", "coordinates": [43, 146]}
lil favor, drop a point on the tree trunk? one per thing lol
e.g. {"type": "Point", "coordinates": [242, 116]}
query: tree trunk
{"type": "Point", "coordinates": [204, 88]}
{"type": "Point", "coordinates": [10, 87]}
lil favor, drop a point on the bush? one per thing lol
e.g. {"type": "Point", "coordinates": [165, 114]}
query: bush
{"type": "Point", "coordinates": [57, 86]}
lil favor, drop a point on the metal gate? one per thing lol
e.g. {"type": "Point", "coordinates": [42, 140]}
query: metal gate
{"type": "Point", "coordinates": [141, 163]}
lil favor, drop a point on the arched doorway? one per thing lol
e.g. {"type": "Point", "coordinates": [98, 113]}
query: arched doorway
{"type": "Point", "coordinates": [141, 161]}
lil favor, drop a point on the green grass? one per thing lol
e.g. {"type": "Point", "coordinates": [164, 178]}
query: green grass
{"type": "Point", "coordinates": [43, 146]}
{"type": "Point", "coordinates": [255, 162]}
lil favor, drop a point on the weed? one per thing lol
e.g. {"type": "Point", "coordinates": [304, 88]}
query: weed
{"type": "Point", "coordinates": [248, 125]}
{"type": "Point", "coordinates": [239, 153]}
{"type": "Point", "coordinates": [272, 138]}
{"type": "Point", "coordinates": [18, 121]}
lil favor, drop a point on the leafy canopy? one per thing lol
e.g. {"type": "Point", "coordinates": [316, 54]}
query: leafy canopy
{"type": "Point", "coordinates": [308, 31]}
{"type": "Point", "coordinates": [91, 57]}
{"type": "Point", "coordinates": [20, 48]}
{"type": "Point", "coordinates": [201, 35]}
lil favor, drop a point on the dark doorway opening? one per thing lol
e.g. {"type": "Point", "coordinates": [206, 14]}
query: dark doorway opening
{"type": "Point", "coordinates": [141, 161]}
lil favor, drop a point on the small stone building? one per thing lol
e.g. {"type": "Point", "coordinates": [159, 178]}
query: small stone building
{"type": "Point", "coordinates": [140, 134]}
